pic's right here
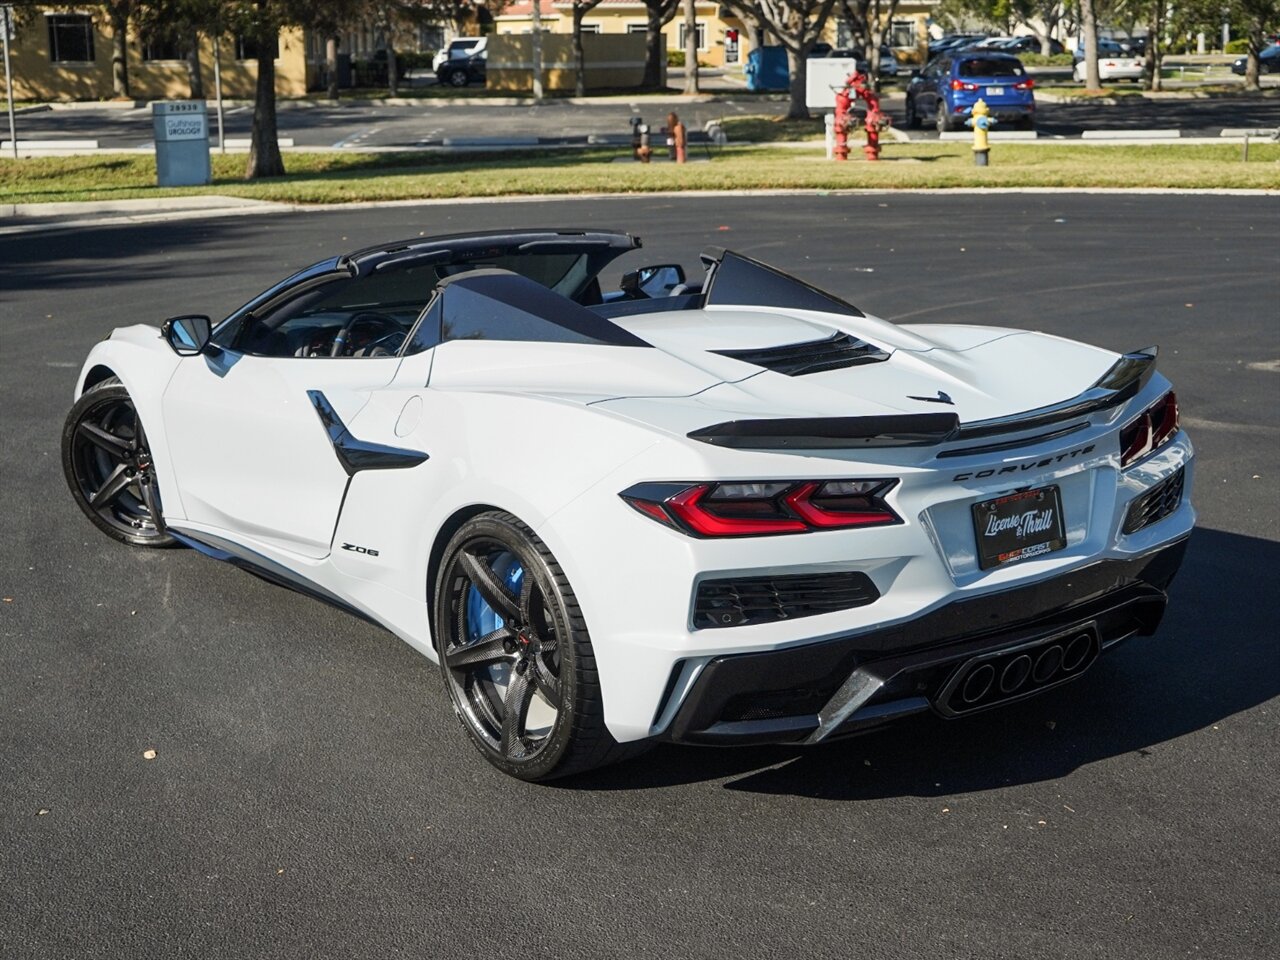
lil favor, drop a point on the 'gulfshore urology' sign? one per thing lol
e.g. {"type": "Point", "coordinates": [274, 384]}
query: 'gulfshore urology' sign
{"type": "Point", "coordinates": [182, 143]}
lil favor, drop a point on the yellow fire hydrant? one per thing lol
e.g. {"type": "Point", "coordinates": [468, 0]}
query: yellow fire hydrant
{"type": "Point", "coordinates": [981, 121]}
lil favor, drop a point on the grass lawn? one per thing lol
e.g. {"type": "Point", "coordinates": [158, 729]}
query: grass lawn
{"type": "Point", "coordinates": [333, 177]}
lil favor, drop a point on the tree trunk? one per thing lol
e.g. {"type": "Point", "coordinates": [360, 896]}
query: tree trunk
{"type": "Point", "coordinates": [579, 58]}
{"type": "Point", "coordinates": [264, 149]}
{"type": "Point", "coordinates": [331, 66]}
{"type": "Point", "coordinates": [1257, 41]}
{"type": "Point", "coordinates": [193, 65]}
{"type": "Point", "coordinates": [1046, 48]}
{"type": "Point", "coordinates": [690, 47]}
{"type": "Point", "coordinates": [120, 49]}
{"type": "Point", "coordinates": [799, 66]}
{"type": "Point", "coordinates": [393, 68]}
{"type": "Point", "coordinates": [1154, 58]}
{"type": "Point", "coordinates": [653, 50]}
{"type": "Point", "coordinates": [1089, 28]}
{"type": "Point", "coordinates": [537, 50]}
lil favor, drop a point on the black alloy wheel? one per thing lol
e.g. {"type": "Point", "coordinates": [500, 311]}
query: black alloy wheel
{"type": "Point", "coordinates": [108, 466]}
{"type": "Point", "coordinates": [515, 653]}
{"type": "Point", "coordinates": [458, 77]}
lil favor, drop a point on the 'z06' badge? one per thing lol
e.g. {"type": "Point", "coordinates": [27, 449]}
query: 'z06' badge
{"type": "Point", "coordinates": [355, 548]}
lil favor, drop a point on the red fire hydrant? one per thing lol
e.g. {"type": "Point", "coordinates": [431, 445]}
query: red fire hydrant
{"type": "Point", "coordinates": [856, 88]}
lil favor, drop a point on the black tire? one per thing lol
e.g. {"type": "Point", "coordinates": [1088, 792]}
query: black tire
{"type": "Point", "coordinates": [456, 77]}
{"type": "Point", "coordinates": [941, 120]}
{"type": "Point", "coordinates": [107, 464]}
{"type": "Point", "coordinates": [539, 653]}
{"type": "Point", "coordinates": [912, 120]}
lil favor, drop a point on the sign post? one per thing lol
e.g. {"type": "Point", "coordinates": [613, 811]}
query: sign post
{"type": "Point", "coordinates": [6, 28]}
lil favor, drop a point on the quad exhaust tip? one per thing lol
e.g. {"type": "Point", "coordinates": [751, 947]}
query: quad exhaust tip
{"type": "Point", "coordinates": [996, 678]}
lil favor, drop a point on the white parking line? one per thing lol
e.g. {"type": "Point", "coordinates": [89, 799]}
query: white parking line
{"type": "Point", "coordinates": [359, 135]}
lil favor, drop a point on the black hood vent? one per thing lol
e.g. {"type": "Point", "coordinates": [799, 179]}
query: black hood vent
{"type": "Point", "coordinates": [813, 356]}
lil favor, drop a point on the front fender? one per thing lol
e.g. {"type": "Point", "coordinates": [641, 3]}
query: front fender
{"type": "Point", "coordinates": [144, 363]}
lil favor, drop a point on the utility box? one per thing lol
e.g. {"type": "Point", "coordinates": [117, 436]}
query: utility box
{"type": "Point", "coordinates": [182, 143]}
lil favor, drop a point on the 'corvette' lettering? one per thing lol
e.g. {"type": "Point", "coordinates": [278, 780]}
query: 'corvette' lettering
{"type": "Point", "coordinates": [1022, 467]}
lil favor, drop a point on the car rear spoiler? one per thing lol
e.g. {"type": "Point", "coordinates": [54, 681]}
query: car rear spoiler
{"type": "Point", "coordinates": [1123, 381]}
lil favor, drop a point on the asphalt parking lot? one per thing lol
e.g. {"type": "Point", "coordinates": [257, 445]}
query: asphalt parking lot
{"type": "Point", "coordinates": [430, 123]}
{"type": "Point", "coordinates": [313, 796]}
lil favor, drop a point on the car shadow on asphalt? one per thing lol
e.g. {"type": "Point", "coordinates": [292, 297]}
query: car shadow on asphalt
{"type": "Point", "coordinates": [1213, 657]}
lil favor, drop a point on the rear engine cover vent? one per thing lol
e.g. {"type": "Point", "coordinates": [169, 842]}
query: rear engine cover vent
{"type": "Point", "coordinates": [740, 601]}
{"type": "Point", "coordinates": [813, 356]}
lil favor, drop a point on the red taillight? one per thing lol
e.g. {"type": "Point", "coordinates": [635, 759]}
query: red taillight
{"type": "Point", "coordinates": [961, 85]}
{"type": "Point", "coordinates": [713, 520]}
{"type": "Point", "coordinates": [835, 511]}
{"type": "Point", "coordinates": [1027, 84]}
{"type": "Point", "coordinates": [763, 508]}
{"type": "Point", "coordinates": [1157, 425]}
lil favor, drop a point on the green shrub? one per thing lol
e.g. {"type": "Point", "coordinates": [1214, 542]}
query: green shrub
{"type": "Point", "coordinates": [415, 61]}
{"type": "Point", "coordinates": [675, 58]}
{"type": "Point", "coordinates": [1040, 60]}
{"type": "Point", "coordinates": [1237, 46]}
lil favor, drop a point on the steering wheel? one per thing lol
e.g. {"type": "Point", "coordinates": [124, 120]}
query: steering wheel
{"type": "Point", "coordinates": [389, 324]}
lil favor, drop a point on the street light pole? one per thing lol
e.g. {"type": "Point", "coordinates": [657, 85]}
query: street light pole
{"type": "Point", "coordinates": [217, 87]}
{"type": "Point", "coordinates": [6, 14]}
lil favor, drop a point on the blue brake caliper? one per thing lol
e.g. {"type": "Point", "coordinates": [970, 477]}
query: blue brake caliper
{"type": "Point", "coordinates": [482, 619]}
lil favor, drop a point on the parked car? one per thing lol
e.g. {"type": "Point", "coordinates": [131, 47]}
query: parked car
{"type": "Point", "coordinates": [464, 70]}
{"type": "Point", "coordinates": [948, 87]}
{"type": "Point", "coordinates": [458, 49]}
{"type": "Point", "coordinates": [1030, 44]}
{"type": "Point", "coordinates": [953, 41]}
{"type": "Point", "coordinates": [1268, 61]}
{"type": "Point", "coordinates": [1126, 66]}
{"type": "Point", "coordinates": [714, 508]}
{"type": "Point", "coordinates": [1107, 47]}
{"type": "Point", "coordinates": [888, 59]}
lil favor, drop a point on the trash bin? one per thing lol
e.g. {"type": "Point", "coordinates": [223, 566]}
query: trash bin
{"type": "Point", "coordinates": [182, 143]}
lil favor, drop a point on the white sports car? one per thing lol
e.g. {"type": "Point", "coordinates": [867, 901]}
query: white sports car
{"type": "Point", "coordinates": [732, 509]}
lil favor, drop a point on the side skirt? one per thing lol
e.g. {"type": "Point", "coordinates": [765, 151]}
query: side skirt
{"type": "Point", "coordinates": [260, 566]}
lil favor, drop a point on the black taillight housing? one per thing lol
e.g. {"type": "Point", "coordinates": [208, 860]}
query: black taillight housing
{"type": "Point", "coordinates": [764, 507]}
{"type": "Point", "coordinates": [1151, 430]}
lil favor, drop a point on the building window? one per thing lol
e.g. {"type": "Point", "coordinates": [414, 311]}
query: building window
{"type": "Point", "coordinates": [430, 38]}
{"type": "Point", "coordinates": [163, 50]}
{"type": "Point", "coordinates": [702, 35]}
{"type": "Point", "coordinates": [590, 28]}
{"type": "Point", "coordinates": [637, 28]}
{"type": "Point", "coordinates": [246, 49]}
{"type": "Point", "coordinates": [903, 33]}
{"type": "Point", "coordinates": [70, 38]}
{"type": "Point", "coordinates": [844, 35]}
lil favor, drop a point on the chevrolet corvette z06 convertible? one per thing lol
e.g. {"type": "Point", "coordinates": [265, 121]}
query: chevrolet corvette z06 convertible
{"type": "Point", "coordinates": [716, 508]}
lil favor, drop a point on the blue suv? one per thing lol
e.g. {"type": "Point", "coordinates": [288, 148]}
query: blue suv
{"type": "Point", "coordinates": [946, 90]}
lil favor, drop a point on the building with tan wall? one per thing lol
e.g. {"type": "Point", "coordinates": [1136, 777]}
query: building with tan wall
{"type": "Point", "coordinates": [60, 55]}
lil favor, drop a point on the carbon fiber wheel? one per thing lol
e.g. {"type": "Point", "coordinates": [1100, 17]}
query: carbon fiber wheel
{"type": "Point", "coordinates": [516, 656]}
{"type": "Point", "coordinates": [107, 463]}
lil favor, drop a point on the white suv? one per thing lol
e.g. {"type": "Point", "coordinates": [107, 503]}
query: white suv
{"type": "Point", "coordinates": [458, 49]}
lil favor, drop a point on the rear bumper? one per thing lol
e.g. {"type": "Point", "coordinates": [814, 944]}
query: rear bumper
{"type": "Point", "coordinates": [843, 686]}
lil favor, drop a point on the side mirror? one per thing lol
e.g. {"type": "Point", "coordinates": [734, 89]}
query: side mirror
{"type": "Point", "coordinates": [188, 335]}
{"type": "Point", "coordinates": [653, 281]}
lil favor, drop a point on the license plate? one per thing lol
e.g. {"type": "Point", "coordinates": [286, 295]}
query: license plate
{"type": "Point", "coordinates": [1019, 526]}
{"type": "Point", "coordinates": [995, 91]}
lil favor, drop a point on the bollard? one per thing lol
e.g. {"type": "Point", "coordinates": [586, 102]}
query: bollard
{"type": "Point", "coordinates": [640, 140]}
{"type": "Point", "coordinates": [829, 120]}
{"type": "Point", "coordinates": [679, 138]}
{"type": "Point", "coordinates": [981, 121]}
